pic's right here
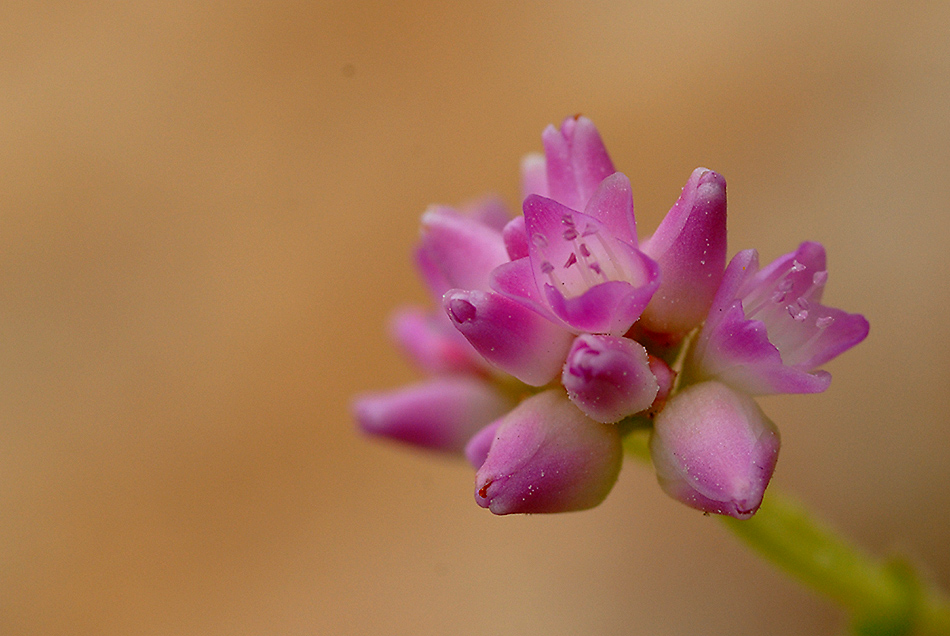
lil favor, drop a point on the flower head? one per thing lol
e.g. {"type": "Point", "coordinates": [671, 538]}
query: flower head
{"type": "Point", "coordinates": [560, 331]}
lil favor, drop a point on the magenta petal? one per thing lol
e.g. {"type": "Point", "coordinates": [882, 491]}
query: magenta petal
{"type": "Point", "coordinates": [612, 204]}
{"type": "Point", "coordinates": [515, 280]}
{"type": "Point", "coordinates": [611, 307]}
{"type": "Point", "coordinates": [516, 238]}
{"type": "Point", "coordinates": [714, 450]}
{"type": "Point", "coordinates": [547, 456]}
{"type": "Point", "coordinates": [464, 250]}
{"type": "Point", "coordinates": [738, 352]}
{"type": "Point", "coordinates": [477, 448]}
{"type": "Point", "coordinates": [690, 246]}
{"type": "Point", "coordinates": [842, 332]}
{"type": "Point", "coordinates": [440, 414]}
{"type": "Point", "coordinates": [609, 378]}
{"type": "Point", "coordinates": [432, 343]}
{"type": "Point", "coordinates": [510, 336]}
{"type": "Point", "coordinates": [577, 161]}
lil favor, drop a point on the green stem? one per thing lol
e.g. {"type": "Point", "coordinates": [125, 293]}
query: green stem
{"type": "Point", "coordinates": [884, 597]}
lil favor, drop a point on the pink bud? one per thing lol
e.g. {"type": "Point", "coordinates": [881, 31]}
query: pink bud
{"type": "Point", "coordinates": [441, 414]}
{"type": "Point", "coordinates": [608, 378]}
{"type": "Point", "coordinates": [512, 337]}
{"type": "Point", "coordinates": [576, 161]}
{"type": "Point", "coordinates": [547, 456]}
{"type": "Point", "coordinates": [690, 246]}
{"type": "Point", "coordinates": [457, 251]}
{"type": "Point", "coordinates": [714, 450]}
{"type": "Point", "coordinates": [431, 342]}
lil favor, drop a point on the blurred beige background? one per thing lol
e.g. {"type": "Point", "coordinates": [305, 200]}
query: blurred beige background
{"type": "Point", "coordinates": [206, 214]}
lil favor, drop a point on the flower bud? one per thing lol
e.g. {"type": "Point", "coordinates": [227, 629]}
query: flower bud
{"type": "Point", "coordinates": [440, 414]}
{"type": "Point", "coordinates": [510, 336]}
{"type": "Point", "coordinates": [690, 246]}
{"type": "Point", "coordinates": [547, 456]}
{"type": "Point", "coordinates": [457, 251]}
{"type": "Point", "coordinates": [714, 450]}
{"type": "Point", "coordinates": [431, 342]}
{"type": "Point", "coordinates": [608, 378]}
{"type": "Point", "coordinates": [576, 161]}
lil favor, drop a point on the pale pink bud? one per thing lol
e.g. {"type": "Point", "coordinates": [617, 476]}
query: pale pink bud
{"type": "Point", "coordinates": [547, 456]}
{"type": "Point", "coordinates": [714, 450]}
{"type": "Point", "coordinates": [576, 161]}
{"type": "Point", "coordinates": [512, 337]}
{"type": "Point", "coordinates": [440, 414]}
{"type": "Point", "coordinates": [690, 246]}
{"type": "Point", "coordinates": [432, 343]}
{"type": "Point", "coordinates": [609, 378]}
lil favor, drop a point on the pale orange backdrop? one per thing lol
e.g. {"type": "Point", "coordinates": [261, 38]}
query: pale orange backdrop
{"type": "Point", "coordinates": [206, 214]}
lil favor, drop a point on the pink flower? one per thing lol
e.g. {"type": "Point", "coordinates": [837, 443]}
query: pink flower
{"type": "Point", "coordinates": [564, 297]}
{"type": "Point", "coordinates": [767, 330]}
{"type": "Point", "coordinates": [583, 269]}
{"type": "Point", "coordinates": [714, 450]}
{"type": "Point", "coordinates": [510, 336]}
{"type": "Point", "coordinates": [547, 456]}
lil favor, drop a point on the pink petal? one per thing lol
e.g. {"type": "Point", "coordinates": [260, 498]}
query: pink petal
{"type": "Point", "coordinates": [577, 161]}
{"type": "Point", "coordinates": [690, 246]}
{"type": "Point", "coordinates": [612, 204]}
{"type": "Point", "coordinates": [464, 250]}
{"type": "Point", "coordinates": [510, 336]}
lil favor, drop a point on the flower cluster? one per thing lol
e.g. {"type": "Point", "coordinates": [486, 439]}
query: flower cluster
{"type": "Point", "coordinates": [561, 330]}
